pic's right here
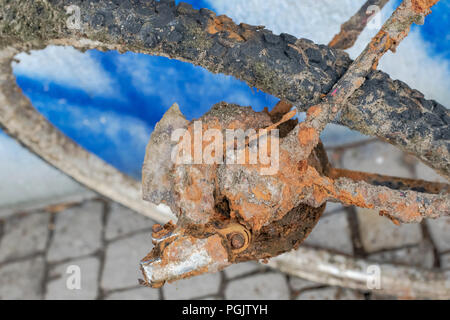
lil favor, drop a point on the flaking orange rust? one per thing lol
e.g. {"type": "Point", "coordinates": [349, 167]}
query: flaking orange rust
{"type": "Point", "coordinates": [261, 193]}
{"type": "Point", "coordinates": [215, 248]}
{"type": "Point", "coordinates": [193, 192]}
{"type": "Point", "coordinates": [320, 193]}
{"type": "Point", "coordinates": [376, 43]}
{"type": "Point", "coordinates": [384, 213]}
{"type": "Point", "coordinates": [323, 188]}
{"type": "Point", "coordinates": [423, 6]}
{"type": "Point", "coordinates": [223, 23]}
{"type": "Point", "coordinates": [408, 212]}
{"type": "Point", "coordinates": [194, 189]}
{"type": "Point", "coordinates": [377, 46]}
{"type": "Point", "coordinates": [307, 135]}
{"type": "Point", "coordinates": [314, 111]}
{"type": "Point", "coordinates": [383, 196]}
{"type": "Point", "coordinates": [337, 38]}
{"type": "Point", "coordinates": [257, 215]}
{"type": "Point", "coordinates": [358, 200]}
{"type": "Point", "coordinates": [294, 183]}
{"type": "Point", "coordinates": [254, 214]}
{"type": "Point", "coordinates": [354, 175]}
{"type": "Point", "coordinates": [296, 178]}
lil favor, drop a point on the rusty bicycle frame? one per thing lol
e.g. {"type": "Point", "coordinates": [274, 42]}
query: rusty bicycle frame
{"type": "Point", "coordinates": [399, 202]}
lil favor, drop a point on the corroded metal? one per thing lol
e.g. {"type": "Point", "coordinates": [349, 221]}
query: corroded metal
{"type": "Point", "coordinates": [393, 31]}
{"type": "Point", "coordinates": [394, 183]}
{"type": "Point", "coordinates": [296, 70]}
{"type": "Point", "coordinates": [236, 213]}
{"type": "Point", "coordinates": [226, 213]}
{"type": "Point", "coordinates": [351, 29]}
{"type": "Point", "coordinates": [293, 69]}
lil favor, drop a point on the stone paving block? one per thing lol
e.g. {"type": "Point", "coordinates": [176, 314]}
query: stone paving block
{"type": "Point", "coordinates": [445, 261]}
{"type": "Point", "coordinates": [195, 287]}
{"type": "Point", "coordinates": [376, 157]}
{"type": "Point", "coordinates": [122, 261]}
{"type": "Point", "coordinates": [61, 275]}
{"type": "Point", "coordinates": [337, 135]}
{"type": "Point", "coordinates": [77, 232]}
{"type": "Point", "coordinates": [22, 280]}
{"type": "Point", "coordinates": [259, 287]}
{"type": "Point", "coordinates": [332, 232]}
{"type": "Point", "coordinates": [333, 207]}
{"type": "Point", "coordinates": [330, 293]}
{"type": "Point", "coordinates": [143, 293]}
{"type": "Point", "coordinates": [32, 204]}
{"type": "Point", "coordinates": [419, 256]}
{"type": "Point", "coordinates": [301, 284]}
{"type": "Point", "coordinates": [24, 235]}
{"type": "Point", "coordinates": [122, 221]}
{"type": "Point", "coordinates": [426, 173]}
{"type": "Point", "coordinates": [28, 181]}
{"type": "Point", "coordinates": [440, 232]}
{"type": "Point", "coordinates": [242, 268]}
{"type": "Point", "coordinates": [379, 233]}
{"type": "Point", "coordinates": [334, 157]}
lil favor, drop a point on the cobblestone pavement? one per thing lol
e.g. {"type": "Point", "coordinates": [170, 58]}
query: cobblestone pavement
{"type": "Point", "coordinates": [41, 250]}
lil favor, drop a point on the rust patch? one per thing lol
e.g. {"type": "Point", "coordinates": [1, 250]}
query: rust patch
{"type": "Point", "coordinates": [386, 214]}
{"type": "Point", "coordinates": [380, 44]}
{"type": "Point", "coordinates": [337, 38]}
{"type": "Point", "coordinates": [215, 248]}
{"type": "Point", "coordinates": [225, 24]}
{"type": "Point", "coordinates": [159, 232]}
{"type": "Point", "coordinates": [423, 6]}
{"type": "Point", "coordinates": [358, 200]}
{"type": "Point", "coordinates": [307, 135]}
{"type": "Point", "coordinates": [314, 111]}
{"type": "Point", "coordinates": [381, 40]}
{"type": "Point", "coordinates": [261, 193]}
{"type": "Point", "coordinates": [395, 183]}
{"type": "Point", "coordinates": [279, 210]}
{"type": "Point", "coordinates": [408, 212]}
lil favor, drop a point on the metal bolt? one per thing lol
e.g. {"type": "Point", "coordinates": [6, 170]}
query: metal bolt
{"type": "Point", "coordinates": [237, 241]}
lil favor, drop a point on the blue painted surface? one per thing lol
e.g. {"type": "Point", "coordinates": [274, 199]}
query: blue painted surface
{"type": "Point", "coordinates": [79, 114]}
{"type": "Point", "coordinates": [436, 29]}
{"type": "Point", "coordinates": [117, 127]}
